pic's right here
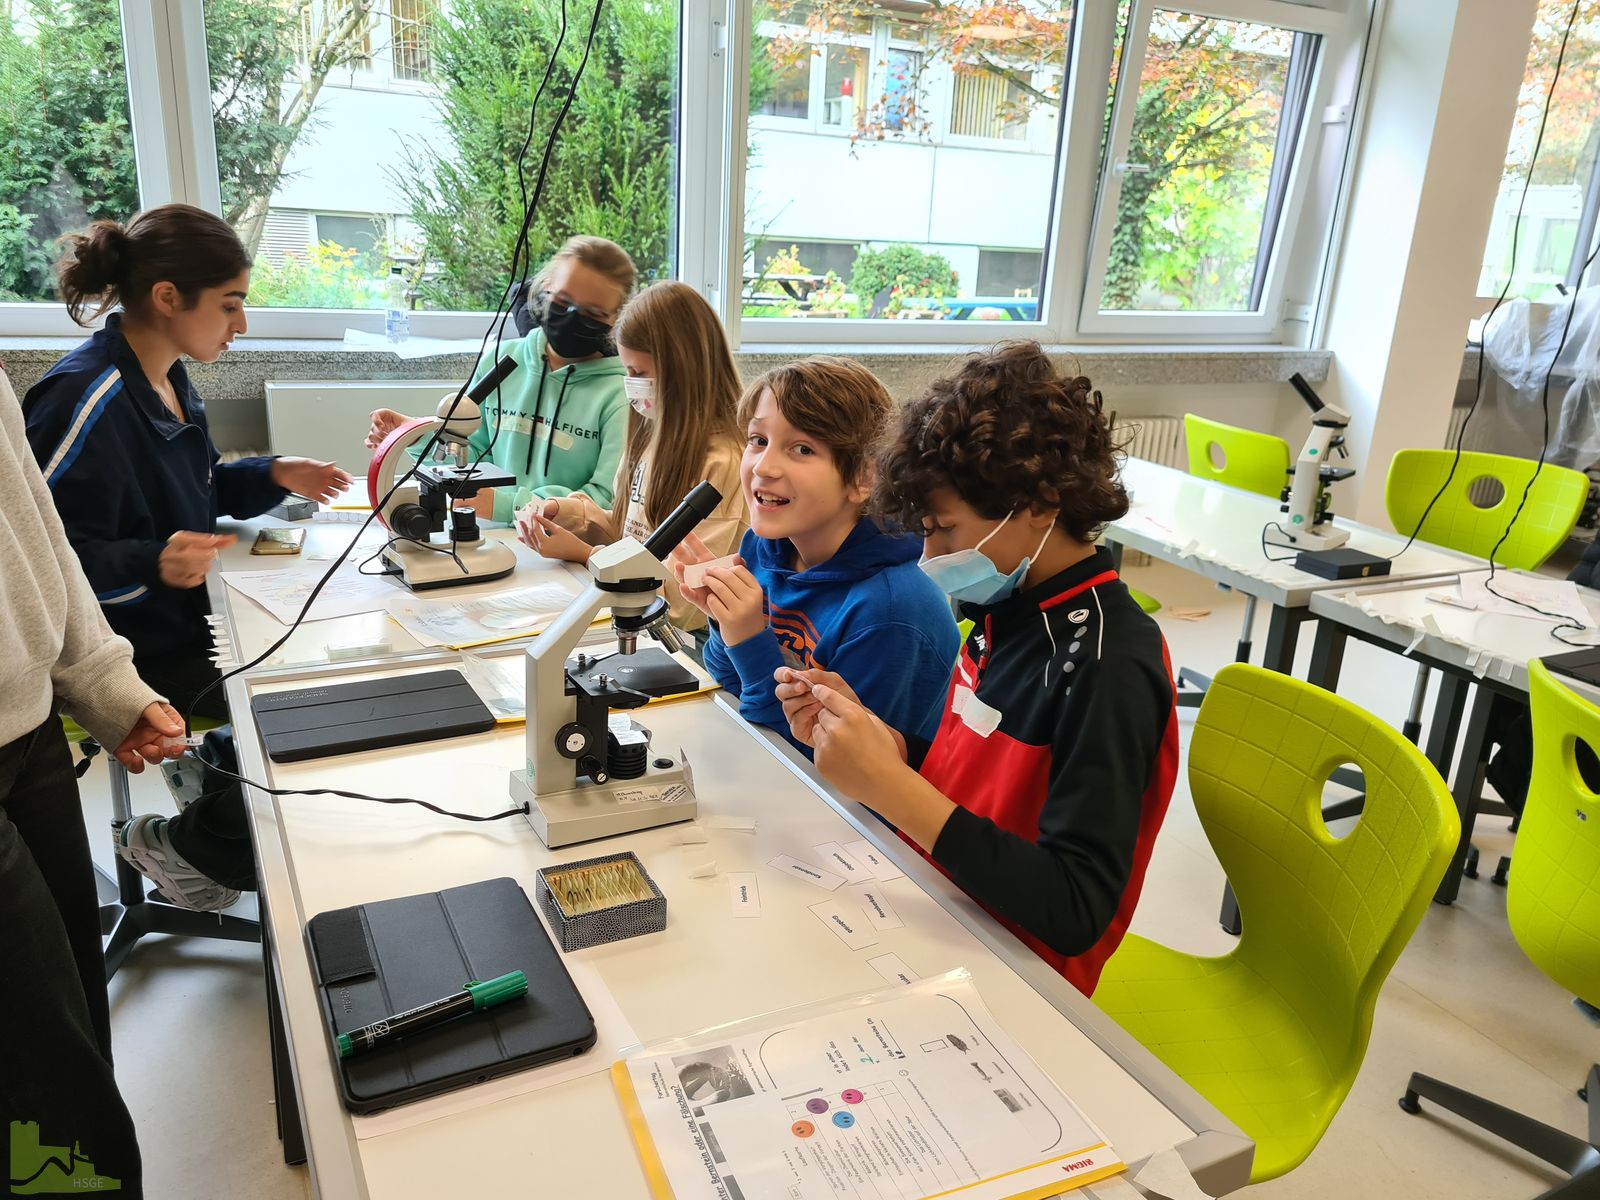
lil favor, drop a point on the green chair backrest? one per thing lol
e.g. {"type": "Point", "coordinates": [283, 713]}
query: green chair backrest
{"type": "Point", "coordinates": [1324, 917]}
{"type": "Point", "coordinates": [1457, 523]}
{"type": "Point", "coordinates": [1553, 895]}
{"type": "Point", "coordinates": [1241, 458]}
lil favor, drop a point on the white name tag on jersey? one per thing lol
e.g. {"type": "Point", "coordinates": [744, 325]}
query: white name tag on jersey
{"type": "Point", "coordinates": [974, 713]}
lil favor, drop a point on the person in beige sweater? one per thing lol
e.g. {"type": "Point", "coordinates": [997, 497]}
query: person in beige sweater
{"type": "Point", "coordinates": [683, 389]}
{"type": "Point", "coordinates": [58, 654]}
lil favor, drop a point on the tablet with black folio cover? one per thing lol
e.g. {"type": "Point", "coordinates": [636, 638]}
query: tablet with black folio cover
{"type": "Point", "coordinates": [370, 714]}
{"type": "Point", "coordinates": [375, 960]}
{"type": "Point", "coordinates": [1583, 665]}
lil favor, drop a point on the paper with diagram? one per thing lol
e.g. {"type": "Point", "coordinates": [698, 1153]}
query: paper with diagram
{"type": "Point", "coordinates": [895, 1095]}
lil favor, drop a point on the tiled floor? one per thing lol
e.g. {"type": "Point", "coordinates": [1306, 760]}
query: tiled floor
{"type": "Point", "coordinates": [1463, 1004]}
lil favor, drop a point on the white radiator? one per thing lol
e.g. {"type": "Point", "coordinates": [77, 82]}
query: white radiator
{"type": "Point", "coordinates": [1158, 439]}
{"type": "Point", "coordinates": [328, 419]}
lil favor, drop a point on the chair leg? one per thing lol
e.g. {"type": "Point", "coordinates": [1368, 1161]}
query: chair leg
{"type": "Point", "coordinates": [1501, 870]}
{"type": "Point", "coordinates": [136, 913]}
{"type": "Point", "coordinates": [1412, 729]}
{"type": "Point", "coordinates": [1229, 917]}
{"type": "Point", "coordinates": [1243, 652]}
{"type": "Point", "coordinates": [1590, 1093]}
{"type": "Point", "coordinates": [1470, 867]}
{"type": "Point", "coordinates": [1561, 1150]}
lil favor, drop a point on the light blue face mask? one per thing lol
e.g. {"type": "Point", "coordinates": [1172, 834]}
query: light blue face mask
{"type": "Point", "coordinates": [971, 576]}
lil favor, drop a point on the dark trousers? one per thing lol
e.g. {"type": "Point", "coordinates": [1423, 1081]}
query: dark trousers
{"type": "Point", "coordinates": [57, 1088]}
{"type": "Point", "coordinates": [212, 833]}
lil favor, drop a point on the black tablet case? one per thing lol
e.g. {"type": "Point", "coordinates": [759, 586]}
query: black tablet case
{"type": "Point", "coordinates": [1582, 665]}
{"type": "Point", "coordinates": [343, 717]}
{"type": "Point", "coordinates": [378, 959]}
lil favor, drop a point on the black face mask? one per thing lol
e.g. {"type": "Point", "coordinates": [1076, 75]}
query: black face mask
{"type": "Point", "coordinates": [573, 335]}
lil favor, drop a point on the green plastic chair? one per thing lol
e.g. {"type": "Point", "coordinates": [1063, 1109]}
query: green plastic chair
{"type": "Point", "coordinates": [1553, 905]}
{"type": "Point", "coordinates": [1250, 461]}
{"type": "Point", "coordinates": [1457, 523]}
{"type": "Point", "coordinates": [1274, 1032]}
{"type": "Point", "coordinates": [1145, 601]}
{"type": "Point", "coordinates": [1242, 458]}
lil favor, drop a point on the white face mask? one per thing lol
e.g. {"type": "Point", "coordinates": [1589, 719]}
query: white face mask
{"type": "Point", "coordinates": [971, 575]}
{"type": "Point", "coordinates": [641, 394]}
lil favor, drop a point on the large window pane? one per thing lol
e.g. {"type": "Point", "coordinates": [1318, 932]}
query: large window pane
{"type": "Point", "coordinates": [354, 135]}
{"type": "Point", "coordinates": [1557, 227]}
{"type": "Point", "coordinates": [1204, 164]}
{"type": "Point", "coordinates": [66, 148]}
{"type": "Point", "coordinates": [944, 179]}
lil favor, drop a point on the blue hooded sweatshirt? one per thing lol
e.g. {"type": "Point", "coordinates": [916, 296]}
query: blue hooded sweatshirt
{"type": "Point", "coordinates": [868, 614]}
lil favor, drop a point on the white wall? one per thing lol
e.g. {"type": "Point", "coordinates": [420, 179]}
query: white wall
{"type": "Point", "coordinates": [1443, 91]}
{"type": "Point", "coordinates": [809, 186]}
{"type": "Point", "coordinates": [341, 163]}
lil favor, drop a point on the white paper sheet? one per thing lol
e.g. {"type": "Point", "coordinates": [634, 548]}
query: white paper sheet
{"type": "Point", "coordinates": [911, 1092]}
{"type": "Point", "coordinates": [283, 592]}
{"type": "Point", "coordinates": [1558, 597]}
{"type": "Point", "coordinates": [492, 618]}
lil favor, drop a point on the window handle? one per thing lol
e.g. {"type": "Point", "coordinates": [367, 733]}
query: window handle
{"type": "Point", "coordinates": [1132, 168]}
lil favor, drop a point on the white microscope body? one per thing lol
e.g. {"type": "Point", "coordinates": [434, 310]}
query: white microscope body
{"type": "Point", "coordinates": [577, 754]}
{"type": "Point", "coordinates": [1308, 524]}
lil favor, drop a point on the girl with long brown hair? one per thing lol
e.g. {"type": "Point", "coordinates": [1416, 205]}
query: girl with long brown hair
{"type": "Point", "coordinates": [683, 390]}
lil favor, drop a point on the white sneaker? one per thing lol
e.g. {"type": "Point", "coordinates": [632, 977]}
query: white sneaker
{"type": "Point", "coordinates": [146, 844]}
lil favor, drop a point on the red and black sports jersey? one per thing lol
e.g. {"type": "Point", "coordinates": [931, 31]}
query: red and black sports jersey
{"type": "Point", "coordinates": [1059, 744]}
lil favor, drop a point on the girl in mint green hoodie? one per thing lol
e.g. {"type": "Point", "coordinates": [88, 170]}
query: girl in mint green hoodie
{"type": "Point", "coordinates": [559, 423]}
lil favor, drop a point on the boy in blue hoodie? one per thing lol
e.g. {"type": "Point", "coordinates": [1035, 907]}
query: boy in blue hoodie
{"type": "Point", "coordinates": [815, 584]}
{"type": "Point", "coordinates": [559, 423]}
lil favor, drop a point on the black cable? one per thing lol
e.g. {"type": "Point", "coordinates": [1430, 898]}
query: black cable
{"type": "Point", "coordinates": [518, 811]}
{"type": "Point", "coordinates": [1511, 275]}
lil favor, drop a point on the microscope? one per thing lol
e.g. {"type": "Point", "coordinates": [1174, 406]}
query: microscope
{"type": "Point", "coordinates": [1306, 499]}
{"type": "Point", "coordinates": [591, 771]}
{"type": "Point", "coordinates": [419, 511]}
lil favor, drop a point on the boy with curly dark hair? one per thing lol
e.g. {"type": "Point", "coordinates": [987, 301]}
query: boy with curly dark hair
{"type": "Point", "coordinates": [1049, 777]}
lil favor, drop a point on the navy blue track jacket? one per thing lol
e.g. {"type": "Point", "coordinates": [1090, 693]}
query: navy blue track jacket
{"type": "Point", "coordinates": [126, 475]}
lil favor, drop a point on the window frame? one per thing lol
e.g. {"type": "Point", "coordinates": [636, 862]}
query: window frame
{"type": "Point", "coordinates": [1267, 319]}
{"type": "Point", "coordinates": [165, 51]}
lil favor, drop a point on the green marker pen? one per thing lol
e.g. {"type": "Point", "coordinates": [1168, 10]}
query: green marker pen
{"type": "Point", "coordinates": [473, 997]}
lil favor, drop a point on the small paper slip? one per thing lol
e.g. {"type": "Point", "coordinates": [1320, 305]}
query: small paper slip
{"type": "Point", "coordinates": [826, 880]}
{"type": "Point", "coordinates": [694, 575]}
{"type": "Point", "coordinates": [744, 893]}
{"type": "Point", "coordinates": [893, 968]}
{"type": "Point", "coordinates": [849, 927]}
{"type": "Point", "coordinates": [284, 593]}
{"type": "Point", "coordinates": [865, 852]}
{"type": "Point", "coordinates": [484, 619]}
{"type": "Point", "coordinates": [1558, 600]}
{"type": "Point", "coordinates": [908, 1092]}
{"type": "Point", "coordinates": [837, 859]}
{"type": "Point", "coordinates": [876, 905]}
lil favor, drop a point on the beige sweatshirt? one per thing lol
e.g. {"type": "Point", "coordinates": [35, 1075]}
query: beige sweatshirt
{"type": "Point", "coordinates": [53, 639]}
{"type": "Point", "coordinates": [721, 531]}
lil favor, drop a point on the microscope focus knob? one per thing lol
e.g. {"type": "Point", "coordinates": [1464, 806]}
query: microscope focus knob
{"type": "Point", "coordinates": [572, 740]}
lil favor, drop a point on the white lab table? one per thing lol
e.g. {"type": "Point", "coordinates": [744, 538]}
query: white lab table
{"type": "Point", "coordinates": [1215, 531]}
{"type": "Point", "coordinates": [321, 853]}
{"type": "Point", "coordinates": [251, 629]}
{"type": "Point", "coordinates": [1489, 650]}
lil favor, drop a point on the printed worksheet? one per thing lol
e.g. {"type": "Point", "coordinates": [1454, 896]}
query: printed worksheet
{"type": "Point", "coordinates": [495, 617]}
{"type": "Point", "coordinates": [893, 1096]}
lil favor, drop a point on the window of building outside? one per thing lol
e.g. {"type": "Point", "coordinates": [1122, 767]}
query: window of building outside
{"type": "Point", "coordinates": [1556, 231]}
{"type": "Point", "coordinates": [67, 145]}
{"type": "Point", "coordinates": [356, 135]}
{"type": "Point", "coordinates": [883, 138]}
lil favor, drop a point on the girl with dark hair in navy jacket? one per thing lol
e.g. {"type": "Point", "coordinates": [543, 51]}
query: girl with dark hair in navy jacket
{"type": "Point", "coordinates": [121, 438]}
